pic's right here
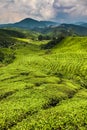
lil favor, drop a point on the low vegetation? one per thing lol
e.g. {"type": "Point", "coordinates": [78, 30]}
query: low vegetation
{"type": "Point", "coordinates": [43, 88]}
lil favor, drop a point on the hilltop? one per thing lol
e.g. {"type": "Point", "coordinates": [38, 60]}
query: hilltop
{"type": "Point", "coordinates": [29, 23]}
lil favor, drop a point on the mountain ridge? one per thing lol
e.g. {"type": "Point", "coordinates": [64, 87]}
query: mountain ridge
{"type": "Point", "coordinates": [46, 27]}
{"type": "Point", "coordinates": [29, 23]}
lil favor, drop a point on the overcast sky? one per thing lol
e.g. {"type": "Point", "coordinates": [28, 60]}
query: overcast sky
{"type": "Point", "coordinates": [54, 10]}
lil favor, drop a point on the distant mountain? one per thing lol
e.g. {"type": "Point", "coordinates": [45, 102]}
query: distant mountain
{"type": "Point", "coordinates": [49, 27]}
{"type": "Point", "coordinates": [79, 23]}
{"type": "Point", "coordinates": [84, 25]}
{"type": "Point", "coordinates": [67, 29]}
{"type": "Point", "coordinates": [75, 29]}
{"type": "Point", "coordinates": [29, 23]}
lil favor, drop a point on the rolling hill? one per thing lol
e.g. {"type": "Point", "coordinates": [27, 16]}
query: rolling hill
{"type": "Point", "coordinates": [43, 89]}
{"type": "Point", "coordinates": [68, 29]}
{"type": "Point", "coordinates": [49, 27]}
{"type": "Point", "coordinates": [8, 36]}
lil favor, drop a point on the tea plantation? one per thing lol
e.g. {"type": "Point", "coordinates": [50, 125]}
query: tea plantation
{"type": "Point", "coordinates": [44, 89]}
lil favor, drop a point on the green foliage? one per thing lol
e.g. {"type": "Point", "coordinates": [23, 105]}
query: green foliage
{"type": "Point", "coordinates": [40, 37]}
{"type": "Point", "coordinates": [53, 42]}
{"type": "Point", "coordinates": [1, 56]}
{"type": "Point", "coordinates": [6, 56]}
{"type": "Point", "coordinates": [44, 89]}
{"type": "Point", "coordinates": [43, 37]}
{"type": "Point", "coordinates": [10, 36]}
{"type": "Point", "coordinates": [12, 33]}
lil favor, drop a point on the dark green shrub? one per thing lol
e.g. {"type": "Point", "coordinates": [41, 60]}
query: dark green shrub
{"type": "Point", "coordinates": [1, 56]}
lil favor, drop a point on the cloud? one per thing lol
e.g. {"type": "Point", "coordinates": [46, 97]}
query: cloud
{"type": "Point", "coordinates": [70, 10]}
{"type": "Point", "coordinates": [15, 10]}
{"type": "Point", "coordinates": [59, 10]}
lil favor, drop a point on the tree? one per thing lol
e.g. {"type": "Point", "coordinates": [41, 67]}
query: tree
{"type": "Point", "coordinates": [40, 37]}
{"type": "Point", "coordinates": [1, 56]}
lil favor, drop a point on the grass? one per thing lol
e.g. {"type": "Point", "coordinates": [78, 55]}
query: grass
{"type": "Point", "coordinates": [45, 89]}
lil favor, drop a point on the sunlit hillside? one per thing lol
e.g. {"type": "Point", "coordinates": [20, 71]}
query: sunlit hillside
{"type": "Point", "coordinates": [42, 88]}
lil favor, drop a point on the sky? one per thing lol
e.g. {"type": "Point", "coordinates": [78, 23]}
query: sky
{"type": "Point", "coordinates": [54, 10]}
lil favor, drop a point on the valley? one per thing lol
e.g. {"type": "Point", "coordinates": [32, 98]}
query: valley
{"type": "Point", "coordinates": [42, 87]}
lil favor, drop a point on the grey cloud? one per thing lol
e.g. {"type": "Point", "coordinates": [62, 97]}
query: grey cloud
{"type": "Point", "coordinates": [70, 10]}
{"type": "Point", "coordinates": [61, 10]}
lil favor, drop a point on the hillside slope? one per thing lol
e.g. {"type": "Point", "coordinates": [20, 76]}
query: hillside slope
{"type": "Point", "coordinates": [45, 89]}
